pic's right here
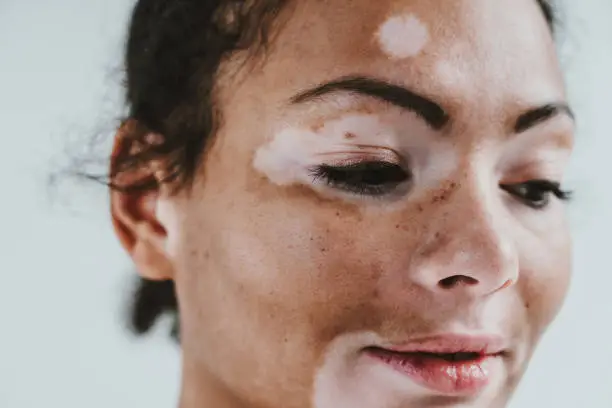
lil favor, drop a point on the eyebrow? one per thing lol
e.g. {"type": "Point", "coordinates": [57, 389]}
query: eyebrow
{"type": "Point", "coordinates": [536, 116]}
{"type": "Point", "coordinates": [430, 111]}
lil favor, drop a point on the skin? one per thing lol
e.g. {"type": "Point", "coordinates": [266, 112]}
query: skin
{"type": "Point", "coordinates": [281, 280]}
{"type": "Point", "coordinates": [402, 36]}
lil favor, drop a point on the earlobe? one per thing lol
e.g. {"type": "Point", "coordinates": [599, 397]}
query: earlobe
{"type": "Point", "coordinates": [152, 261]}
{"type": "Point", "coordinates": [141, 233]}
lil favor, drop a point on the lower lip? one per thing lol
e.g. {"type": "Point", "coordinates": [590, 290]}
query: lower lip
{"type": "Point", "coordinates": [463, 378]}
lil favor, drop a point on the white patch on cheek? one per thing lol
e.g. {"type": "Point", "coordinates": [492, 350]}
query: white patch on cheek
{"type": "Point", "coordinates": [402, 36]}
{"type": "Point", "coordinates": [333, 385]}
{"type": "Point", "coordinates": [347, 379]}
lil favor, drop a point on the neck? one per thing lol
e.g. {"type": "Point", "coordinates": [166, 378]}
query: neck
{"type": "Point", "coordinates": [199, 389]}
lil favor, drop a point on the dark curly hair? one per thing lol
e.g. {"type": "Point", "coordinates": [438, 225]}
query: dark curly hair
{"type": "Point", "coordinates": [173, 53]}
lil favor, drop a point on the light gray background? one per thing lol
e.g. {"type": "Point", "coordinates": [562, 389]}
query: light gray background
{"type": "Point", "coordinates": [63, 275]}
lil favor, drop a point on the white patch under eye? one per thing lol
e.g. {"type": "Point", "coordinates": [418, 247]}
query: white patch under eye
{"type": "Point", "coordinates": [403, 36]}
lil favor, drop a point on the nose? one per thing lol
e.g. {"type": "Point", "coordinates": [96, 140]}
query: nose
{"type": "Point", "coordinates": [467, 250]}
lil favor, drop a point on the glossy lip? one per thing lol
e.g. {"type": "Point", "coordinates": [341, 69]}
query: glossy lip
{"type": "Point", "coordinates": [423, 360]}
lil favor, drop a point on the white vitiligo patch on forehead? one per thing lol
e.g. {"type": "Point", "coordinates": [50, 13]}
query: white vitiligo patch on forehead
{"type": "Point", "coordinates": [402, 36]}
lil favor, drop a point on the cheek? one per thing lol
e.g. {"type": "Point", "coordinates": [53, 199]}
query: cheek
{"type": "Point", "coordinates": [285, 275]}
{"type": "Point", "coordinates": [545, 276]}
{"type": "Point", "coordinates": [299, 259]}
{"type": "Point", "coordinates": [282, 260]}
{"type": "Point", "coordinates": [312, 263]}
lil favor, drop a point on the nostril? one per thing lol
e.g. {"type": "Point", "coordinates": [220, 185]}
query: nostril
{"type": "Point", "coordinates": [456, 280]}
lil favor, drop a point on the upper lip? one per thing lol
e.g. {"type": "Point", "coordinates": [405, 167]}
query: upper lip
{"type": "Point", "coordinates": [451, 344]}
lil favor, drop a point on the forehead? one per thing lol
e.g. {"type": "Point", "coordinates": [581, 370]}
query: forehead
{"type": "Point", "coordinates": [463, 48]}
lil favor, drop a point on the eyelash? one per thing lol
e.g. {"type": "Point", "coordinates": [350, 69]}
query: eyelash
{"type": "Point", "coordinates": [544, 188]}
{"type": "Point", "coordinates": [353, 178]}
{"type": "Point", "coordinates": [356, 178]}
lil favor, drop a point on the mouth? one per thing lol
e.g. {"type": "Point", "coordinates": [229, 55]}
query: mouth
{"type": "Point", "coordinates": [448, 365]}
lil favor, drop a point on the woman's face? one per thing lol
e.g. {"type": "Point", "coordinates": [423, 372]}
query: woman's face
{"type": "Point", "coordinates": [399, 208]}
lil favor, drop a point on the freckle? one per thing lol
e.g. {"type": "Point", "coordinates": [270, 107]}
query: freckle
{"type": "Point", "coordinates": [437, 198]}
{"type": "Point", "coordinates": [323, 249]}
{"type": "Point", "coordinates": [304, 192]}
{"type": "Point", "coordinates": [443, 195]}
{"type": "Point", "coordinates": [397, 226]}
{"type": "Point", "coordinates": [337, 213]}
{"type": "Point", "coordinates": [420, 207]}
{"type": "Point", "coordinates": [317, 127]}
{"type": "Point", "coordinates": [349, 135]}
{"type": "Point", "coordinates": [376, 293]}
{"type": "Point", "coordinates": [435, 246]}
{"type": "Point", "coordinates": [527, 305]}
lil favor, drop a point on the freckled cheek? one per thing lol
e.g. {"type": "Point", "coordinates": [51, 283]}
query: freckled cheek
{"type": "Point", "coordinates": [328, 261]}
{"type": "Point", "coordinates": [351, 262]}
{"type": "Point", "coordinates": [324, 251]}
{"type": "Point", "coordinates": [292, 251]}
{"type": "Point", "coordinates": [323, 268]}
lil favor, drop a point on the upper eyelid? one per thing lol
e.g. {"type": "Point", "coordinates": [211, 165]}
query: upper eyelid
{"type": "Point", "coordinates": [382, 153]}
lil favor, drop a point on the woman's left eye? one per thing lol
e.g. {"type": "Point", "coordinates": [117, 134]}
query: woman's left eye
{"type": "Point", "coordinates": [537, 193]}
{"type": "Point", "coordinates": [372, 178]}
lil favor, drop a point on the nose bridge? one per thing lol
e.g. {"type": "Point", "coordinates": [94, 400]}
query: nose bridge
{"type": "Point", "coordinates": [468, 245]}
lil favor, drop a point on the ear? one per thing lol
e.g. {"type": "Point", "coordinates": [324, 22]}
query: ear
{"type": "Point", "coordinates": [135, 216]}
